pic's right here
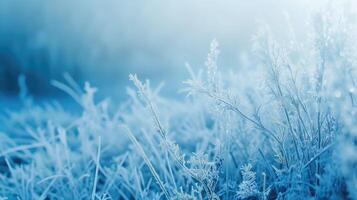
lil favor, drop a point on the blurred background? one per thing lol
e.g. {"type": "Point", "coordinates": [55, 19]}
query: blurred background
{"type": "Point", "coordinates": [104, 41]}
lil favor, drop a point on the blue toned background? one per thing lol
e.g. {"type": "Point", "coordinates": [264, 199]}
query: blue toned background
{"type": "Point", "coordinates": [104, 41]}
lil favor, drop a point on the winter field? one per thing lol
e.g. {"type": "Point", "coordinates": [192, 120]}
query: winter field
{"type": "Point", "coordinates": [281, 126]}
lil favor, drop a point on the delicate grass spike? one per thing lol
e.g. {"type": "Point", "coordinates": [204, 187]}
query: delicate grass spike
{"type": "Point", "coordinates": [146, 159]}
{"type": "Point", "coordinates": [211, 63]}
{"type": "Point", "coordinates": [144, 93]}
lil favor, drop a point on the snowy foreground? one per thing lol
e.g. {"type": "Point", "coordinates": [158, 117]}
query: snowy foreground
{"type": "Point", "coordinates": [284, 126]}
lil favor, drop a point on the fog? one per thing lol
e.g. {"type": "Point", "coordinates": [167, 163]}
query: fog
{"type": "Point", "coordinates": [104, 41]}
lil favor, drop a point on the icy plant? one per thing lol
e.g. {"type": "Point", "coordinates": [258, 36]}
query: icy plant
{"type": "Point", "coordinates": [202, 174]}
{"type": "Point", "coordinates": [248, 187]}
{"type": "Point", "coordinates": [290, 113]}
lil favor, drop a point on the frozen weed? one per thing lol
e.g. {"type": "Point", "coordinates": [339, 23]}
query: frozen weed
{"type": "Point", "coordinates": [290, 113]}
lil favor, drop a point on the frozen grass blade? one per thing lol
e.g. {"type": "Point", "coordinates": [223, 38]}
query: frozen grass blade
{"type": "Point", "coordinates": [146, 159]}
{"type": "Point", "coordinates": [97, 165]}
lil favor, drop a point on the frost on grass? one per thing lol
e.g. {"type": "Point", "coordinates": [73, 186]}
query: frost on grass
{"type": "Point", "coordinates": [290, 113]}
